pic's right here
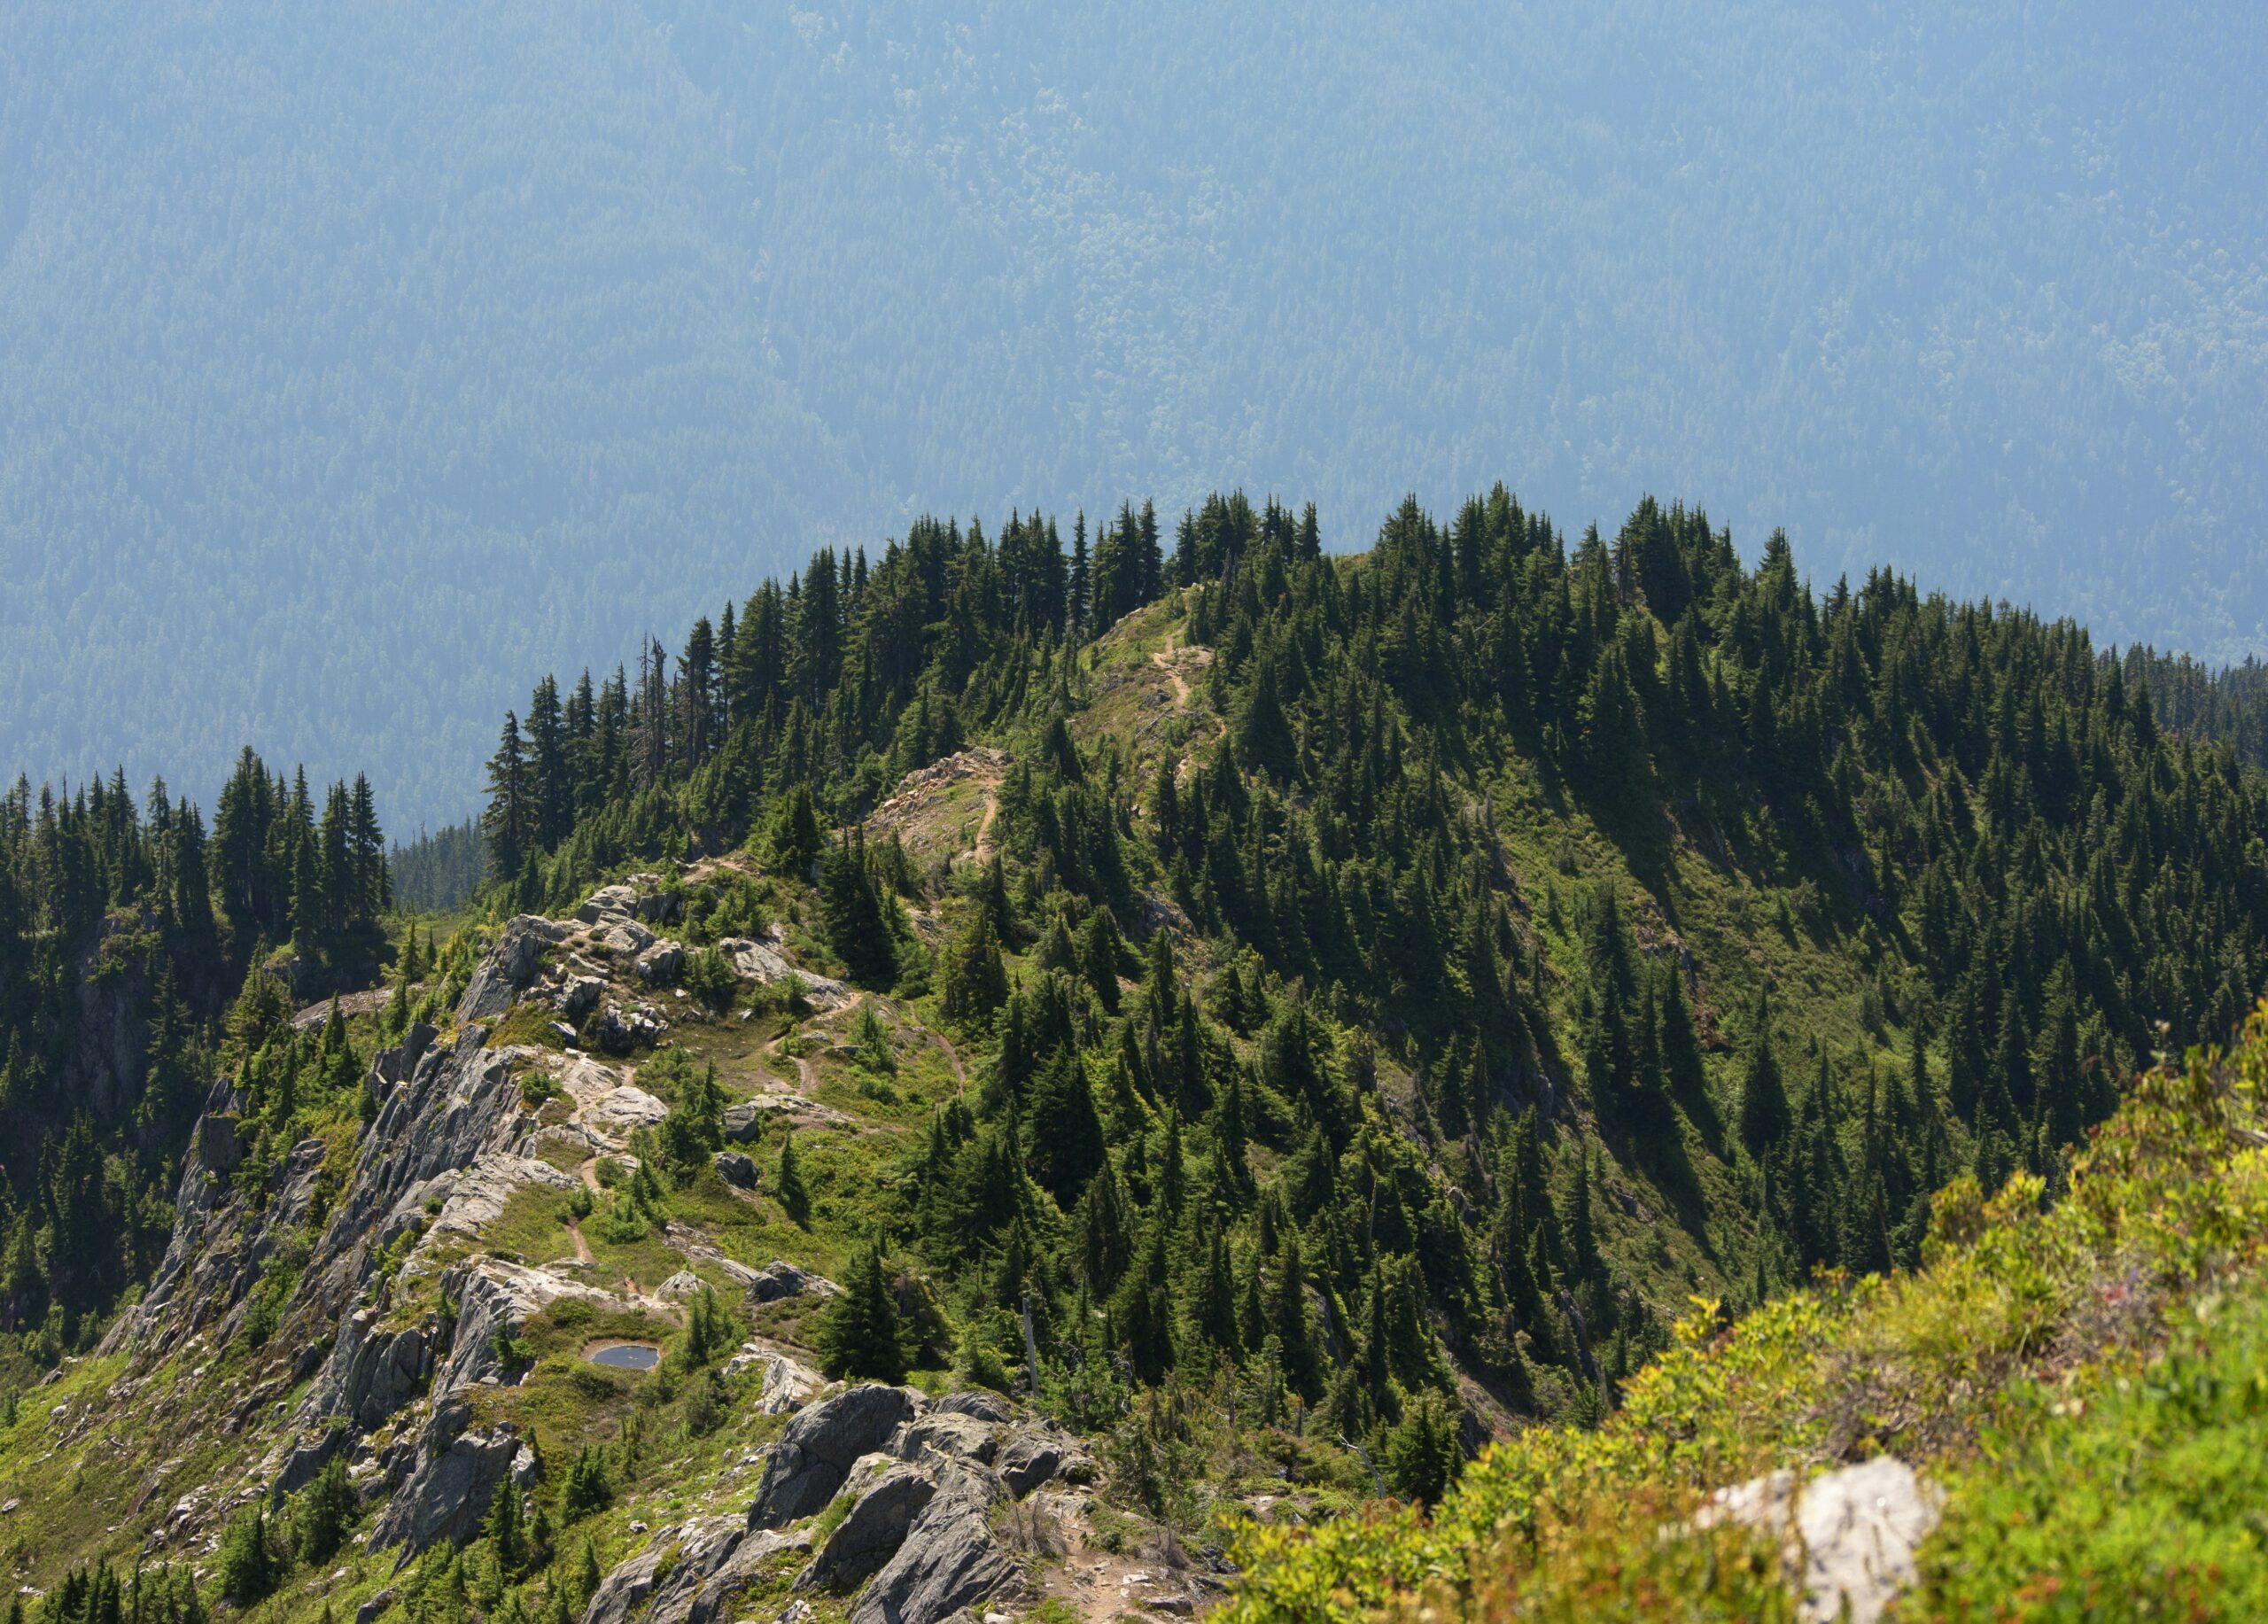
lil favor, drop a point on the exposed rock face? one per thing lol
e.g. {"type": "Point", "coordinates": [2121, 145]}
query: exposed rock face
{"type": "Point", "coordinates": [787, 1384]}
{"type": "Point", "coordinates": [481, 1191]}
{"type": "Point", "coordinates": [945, 1435]}
{"type": "Point", "coordinates": [509, 966]}
{"type": "Point", "coordinates": [455, 1477]}
{"type": "Point", "coordinates": [760, 961]}
{"type": "Point", "coordinates": [579, 996]}
{"type": "Point", "coordinates": [662, 964]}
{"type": "Point", "coordinates": [373, 1371]}
{"type": "Point", "coordinates": [875, 1527]}
{"type": "Point", "coordinates": [807, 1466]}
{"type": "Point", "coordinates": [690, 1578]}
{"type": "Point", "coordinates": [218, 1145]}
{"type": "Point", "coordinates": [736, 1169]}
{"type": "Point", "coordinates": [782, 1279]}
{"type": "Point", "coordinates": [950, 1558]}
{"type": "Point", "coordinates": [1031, 1458]}
{"type": "Point", "coordinates": [1851, 1532]}
{"type": "Point", "coordinates": [392, 1345]}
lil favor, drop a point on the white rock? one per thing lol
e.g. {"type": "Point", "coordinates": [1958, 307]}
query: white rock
{"type": "Point", "coordinates": [1851, 1532]}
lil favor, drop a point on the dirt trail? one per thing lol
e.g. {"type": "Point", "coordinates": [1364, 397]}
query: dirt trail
{"type": "Point", "coordinates": [961, 1076]}
{"type": "Point", "coordinates": [582, 1247]}
{"type": "Point", "coordinates": [984, 828]}
{"type": "Point", "coordinates": [1163, 658]}
{"type": "Point", "coordinates": [589, 1170]}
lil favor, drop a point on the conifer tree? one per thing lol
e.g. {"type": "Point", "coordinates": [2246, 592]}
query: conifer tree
{"type": "Point", "coordinates": [859, 1337]}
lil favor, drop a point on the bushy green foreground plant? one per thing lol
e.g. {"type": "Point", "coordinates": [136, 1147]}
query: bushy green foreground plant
{"type": "Point", "coordinates": [2085, 1379]}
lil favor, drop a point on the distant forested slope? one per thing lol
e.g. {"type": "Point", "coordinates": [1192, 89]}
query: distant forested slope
{"type": "Point", "coordinates": [355, 359]}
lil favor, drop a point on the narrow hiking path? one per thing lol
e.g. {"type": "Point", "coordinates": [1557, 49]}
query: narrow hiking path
{"type": "Point", "coordinates": [582, 1247]}
{"type": "Point", "coordinates": [1163, 658]}
{"type": "Point", "coordinates": [983, 851]}
{"type": "Point", "coordinates": [961, 1076]}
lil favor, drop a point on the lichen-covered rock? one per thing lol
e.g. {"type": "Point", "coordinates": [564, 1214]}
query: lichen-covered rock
{"type": "Point", "coordinates": [803, 1471]}
{"type": "Point", "coordinates": [1850, 1533]}
{"type": "Point", "coordinates": [373, 1370]}
{"type": "Point", "coordinates": [982, 1402]}
{"type": "Point", "coordinates": [942, 1434]}
{"type": "Point", "coordinates": [786, 1384]}
{"type": "Point", "coordinates": [579, 996]}
{"type": "Point", "coordinates": [622, 1030]}
{"type": "Point", "coordinates": [478, 1195]}
{"type": "Point", "coordinates": [760, 961]}
{"type": "Point", "coordinates": [1032, 1458]}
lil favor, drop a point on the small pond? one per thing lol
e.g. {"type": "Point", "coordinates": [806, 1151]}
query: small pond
{"type": "Point", "coordinates": [624, 1355]}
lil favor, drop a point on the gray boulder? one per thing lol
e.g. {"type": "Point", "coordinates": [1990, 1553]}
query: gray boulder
{"type": "Point", "coordinates": [1031, 1458]}
{"type": "Point", "coordinates": [943, 1434]}
{"type": "Point", "coordinates": [580, 996]}
{"type": "Point", "coordinates": [737, 1169]}
{"type": "Point", "coordinates": [805, 1469]}
{"type": "Point", "coordinates": [874, 1528]}
{"type": "Point", "coordinates": [949, 1560]}
{"type": "Point", "coordinates": [662, 964]}
{"type": "Point", "coordinates": [620, 901]}
{"type": "Point", "coordinates": [982, 1402]}
{"type": "Point", "coordinates": [782, 1279]}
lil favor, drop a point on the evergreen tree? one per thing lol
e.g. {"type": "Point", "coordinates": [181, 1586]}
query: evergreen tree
{"type": "Point", "coordinates": [858, 1333]}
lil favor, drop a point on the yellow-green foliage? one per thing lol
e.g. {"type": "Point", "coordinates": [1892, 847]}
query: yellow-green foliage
{"type": "Point", "coordinates": [1981, 1369]}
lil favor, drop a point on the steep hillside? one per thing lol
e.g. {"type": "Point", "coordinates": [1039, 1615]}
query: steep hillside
{"type": "Point", "coordinates": [2060, 1417]}
{"type": "Point", "coordinates": [357, 360]}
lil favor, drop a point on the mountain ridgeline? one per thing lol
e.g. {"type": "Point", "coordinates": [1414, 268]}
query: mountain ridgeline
{"type": "Point", "coordinates": [1196, 1032]}
{"type": "Point", "coordinates": [1712, 923]}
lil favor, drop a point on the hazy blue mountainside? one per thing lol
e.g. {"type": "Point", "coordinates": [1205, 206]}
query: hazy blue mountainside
{"type": "Point", "coordinates": [357, 360]}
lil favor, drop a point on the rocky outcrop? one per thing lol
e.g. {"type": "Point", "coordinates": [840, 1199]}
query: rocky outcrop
{"type": "Point", "coordinates": [759, 960]}
{"type": "Point", "coordinates": [478, 1194]}
{"type": "Point", "coordinates": [693, 1576]}
{"type": "Point", "coordinates": [1850, 1535]}
{"type": "Point", "coordinates": [660, 965]}
{"type": "Point", "coordinates": [737, 1169]}
{"type": "Point", "coordinates": [786, 1385]}
{"type": "Point", "coordinates": [781, 1278]}
{"type": "Point", "coordinates": [806, 1468]}
{"type": "Point", "coordinates": [453, 1479]}
{"type": "Point", "coordinates": [873, 1530]}
{"type": "Point", "coordinates": [508, 967]}
{"type": "Point", "coordinates": [950, 1558]}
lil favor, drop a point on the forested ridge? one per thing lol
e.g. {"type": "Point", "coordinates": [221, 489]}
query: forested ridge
{"type": "Point", "coordinates": [2019, 887]}
{"type": "Point", "coordinates": [1299, 1017]}
{"type": "Point", "coordinates": [125, 932]}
